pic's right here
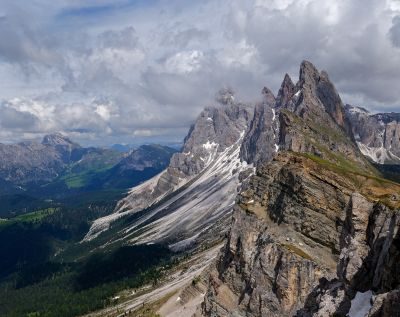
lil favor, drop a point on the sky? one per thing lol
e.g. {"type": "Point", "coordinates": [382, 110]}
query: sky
{"type": "Point", "coordinates": [141, 71]}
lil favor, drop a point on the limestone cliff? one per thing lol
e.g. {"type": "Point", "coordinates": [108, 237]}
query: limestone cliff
{"type": "Point", "coordinates": [305, 238]}
{"type": "Point", "coordinates": [315, 231]}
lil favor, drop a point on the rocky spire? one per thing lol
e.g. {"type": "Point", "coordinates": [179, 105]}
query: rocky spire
{"type": "Point", "coordinates": [268, 95]}
{"type": "Point", "coordinates": [285, 92]}
{"type": "Point", "coordinates": [259, 141]}
{"type": "Point", "coordinates": [308, 76]}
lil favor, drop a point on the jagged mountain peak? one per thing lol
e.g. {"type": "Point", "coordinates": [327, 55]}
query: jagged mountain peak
{"type": "Point", "coordinates": [319, 93]}
{"type": "Point", "coordinates": [315, 227]}
{"type": "Point", "coordinates": [308, 74]}
{"type": "Point", "coordinates": [286, 92]}
{"type": "Point", "coordinates": [268, 96]}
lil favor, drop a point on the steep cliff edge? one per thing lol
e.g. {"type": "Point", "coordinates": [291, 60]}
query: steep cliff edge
{"type": "Point", "coordinates": [305, 238]}
{"type": "Point", "coordinates": [315, 231]}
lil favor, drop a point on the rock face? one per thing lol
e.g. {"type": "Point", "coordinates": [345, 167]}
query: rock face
{"type": "Point", "coordinates": [191, 201]}
{"type": "Point", "coordinates": [304, 240]}
{"type": "Point", "coordinates": [313, 119]}
{"type": "Point", "coordinates": [146, 156]}
{"type": "Point", "coordinates": [377, 135]}
{"type": "Point", "coordinates": [315, 231]}
{"type": "Point", "coordinates": [34, 162]}
{"type": "Point", "coordinates": [214, 131]}
{"type": "Point", "coordinates": [306, 117]}
{"type": "Point", "coordinates": [260, 142]}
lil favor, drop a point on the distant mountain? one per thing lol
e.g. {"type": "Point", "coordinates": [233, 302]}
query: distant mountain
{"type": "Point", "coordinates": [134, 168]}
{"type": "Point", "coordinates": [58, 167]}
{"type": "Point", "coordinates": [123, 148]}
{"type": "Point", "coordinates": [377, 135]}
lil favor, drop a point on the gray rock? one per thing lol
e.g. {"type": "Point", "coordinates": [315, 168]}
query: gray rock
{"type": "Point", "coordinates": [378, 135]}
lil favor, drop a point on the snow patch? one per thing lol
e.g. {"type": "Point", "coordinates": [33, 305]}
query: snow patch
{"type": "Point", "coordinates": [273, 115]}
{"type": "Point", "coordinates": [378, 154]}
{"type": "Point", "coordinates": [276, 147]}
{"type": "Point", "coordinates": [209, 145]}
{"type": "Point", "coordinates": [361, 304]}
{"type": "Point", "coordinates": [297, 94]}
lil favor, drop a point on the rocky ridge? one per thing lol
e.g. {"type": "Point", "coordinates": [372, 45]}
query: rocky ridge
{"type": "Point", "coordinates": [315, 231]}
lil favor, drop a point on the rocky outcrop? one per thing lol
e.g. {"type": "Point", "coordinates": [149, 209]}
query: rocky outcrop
{"type": "Point", "coordinates": [285, 93]}
{"type": "Point", "coordinates": [315, 231]}
{"type": "Point", "coordinates": [377, 135]}
{"type": "Point", "coordinates": [304, 240]}
{"type": "Point", "coordinates": [313, 119]}
{"type": "Point", "coordinates": [260, 142]}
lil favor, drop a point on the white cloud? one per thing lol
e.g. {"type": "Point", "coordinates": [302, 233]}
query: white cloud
{"type": "Point", "coordinates": [184, 62]}
{"type": "Point", "coordinates": [113, 71]}
{"type": "Point", "coordinates": [103, 111]}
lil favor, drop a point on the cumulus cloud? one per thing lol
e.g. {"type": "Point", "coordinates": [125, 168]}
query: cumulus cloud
{"type": "Point", "coordinates": [127, 71]}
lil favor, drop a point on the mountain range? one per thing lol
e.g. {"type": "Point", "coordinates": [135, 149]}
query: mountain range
{"type": "Point", "coordinates": [295, 189]}
{"type": "Point", "coordinates": [58, 167]}
{"type": "Point", "coordinates": [295, 184]}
